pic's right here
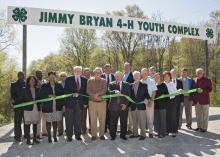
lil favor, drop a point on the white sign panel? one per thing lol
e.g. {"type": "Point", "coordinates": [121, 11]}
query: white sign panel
{"type": "Point", "coordinates": [48, 17]}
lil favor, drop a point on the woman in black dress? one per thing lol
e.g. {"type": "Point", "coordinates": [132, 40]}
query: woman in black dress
{"type": "Point", "coordinates": [160, 106]}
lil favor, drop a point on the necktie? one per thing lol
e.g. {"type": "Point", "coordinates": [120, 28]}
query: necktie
{"type": "Point", "coordinates": [77, 84]}
{"type": "Point", "coordinates": [108, 79]}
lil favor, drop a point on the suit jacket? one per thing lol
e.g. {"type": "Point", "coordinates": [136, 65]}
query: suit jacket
{"type": "Point", "coordinates": [16, 88]}
{"type": "Point", "coordinates": [26, 96]}
{"type": "Point", "coordinates": [179, 85]}
{"type": "Point", "coordinates": [142, 94]}
{"type": "Point", "coordinates": [47, 90]}
{"type": "Point", "coordinates": [115, 103]}
{"type": "Point", "coordinates": [130, 78]}
{"type": "Point", "coordinates": [70, 87]}
{"type": "Point", "coordinates": [112, 77]}
{"type": "Point", "coordinates": [206, 85]}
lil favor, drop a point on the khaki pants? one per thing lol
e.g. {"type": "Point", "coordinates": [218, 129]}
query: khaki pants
{"type": "Point", "coordinates": [97, 110]}
{"type": "Point", "coordinates": [188, 112]}
{"type": "Point", "coordinates": [202, 116]}
{"type": "Point", "coordinates": [130, 122]}
{"type": "Point", "coordinates": [139, 119]}
{"type": "Point", "coordinates": [41, 127]}
{"type": "Point", "coordinates": [150, 118]}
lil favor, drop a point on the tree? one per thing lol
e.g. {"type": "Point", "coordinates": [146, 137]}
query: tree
{"type": "Point", "coordinates": [127, 44]}
{"type": "Point", "coordinates": [77, 44]}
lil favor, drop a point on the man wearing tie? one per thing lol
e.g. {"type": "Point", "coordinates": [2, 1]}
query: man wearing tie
{"type": "Point", "coordinates": [118, 106]}
{"type": "Point", "coordinates": [109, 77]}
{"type": "Point", "coordinates": [180, 99]}
{"type": "Point", "coordinates": [75, 84]}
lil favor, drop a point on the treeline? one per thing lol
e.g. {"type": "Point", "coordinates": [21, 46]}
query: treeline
{"type": "Point", "coordinates": [90, 49]}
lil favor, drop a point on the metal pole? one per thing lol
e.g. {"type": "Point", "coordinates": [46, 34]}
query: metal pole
{"type": "Point", "coordinates": [206, 58]}
{"type": "Point", "coordinates": [24, 57]}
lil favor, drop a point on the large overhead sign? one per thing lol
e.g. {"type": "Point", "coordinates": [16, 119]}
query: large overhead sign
{"type": "Point", "coordinates": [49, 17]}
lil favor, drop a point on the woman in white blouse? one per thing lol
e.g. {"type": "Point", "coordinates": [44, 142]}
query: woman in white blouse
{"type": "Point", "coordinates": [171, 106]}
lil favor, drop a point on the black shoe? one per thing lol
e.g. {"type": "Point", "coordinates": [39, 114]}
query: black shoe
{"type": "Point", "coordinates": [123, 137]}
{"type": "Point", "coordinates": [113, 138]}
{"type": "Point", "coordinates": [93, 138]}
{"type": "Point", "coordinates": [173, 135]}
{"type": "Point", "coordinates": [78, 138]}
{"type": "Point", "coordinates": [55, 139]}
{"type": "Point", "coordinates": [129, 132]}
{"type": "Point", "coordinates": [132, 136]}
{"type": "Point", "coordinates": [142, 138]}
{"type": "Point", "coordinates": [161, 136]}
{"type": "Point", "coordinates": [36, 141]}
{"type": "Point", "coordinates": [102, 137]}
{"type": "Point", "coordinates": [49, 140]}
{"type": "Point", "coordinates": [29, 142]}
{"type": "Point", "coordinates": [151, 135]}
{"type": "Point", "coordinates": [18, 139]}
{"type": "Point", "coordinates": [69, 139]}
{"type": "Point", "coordinates": [60, 134]}
{"type": "Point", "coordinates": [197, 129]}
{"type": "Point", "coordinates": [44, 135]}
{"type": "Point", "coordinates": [203, 130]}
{"type": "Point", "coordinates": [189, 127]}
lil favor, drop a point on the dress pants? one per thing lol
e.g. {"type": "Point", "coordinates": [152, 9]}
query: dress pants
{"type": "Point", "coordinates": [97, 110]}
{"type": "Point", "coordinates": [150, 117]}
{"type": "Point", "coordinates": [73, 120]}
{"type": "Point", "coordinates": [130, 122]}
{"type": "Point", "coordinates": [160, 118]}
{"type": "Point", "coordinates": [188, 112]}
{"type": "Point", "coordinates": [171, 116]}
{"type": "Point", "coordinates": [114, 115]}
{"type": "Point", "coordinates": [202, 116]}
{"type": "Point", "coordinates": [83, 118]}
{"type": "Point", "coordinates": [139, 120]}
{"type": "Point", "coordinates": [18, 117]}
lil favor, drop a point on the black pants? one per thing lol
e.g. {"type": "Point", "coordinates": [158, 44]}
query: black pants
{"type": "Point", "coordinates": [73, 120]}
{"type": "Point", "coordinates": [171, 116]}
{"type": "Point", "coordinates": [114, 115]}
{"type": "Point", "coordinates": [107, 119]}
{"type": "Point", "coordinates": [177, 113]}
{"type": "Point", "coordinates": [160, 119]}
{"type": "Point", "coordinates": [18, 117]}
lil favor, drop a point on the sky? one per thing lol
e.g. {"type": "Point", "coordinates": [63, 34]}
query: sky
{"type": "Point", "coordinates": [43, 40]}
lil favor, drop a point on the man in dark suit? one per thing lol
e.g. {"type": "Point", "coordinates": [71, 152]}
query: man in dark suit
{"type": "Point", "coordinates": [109, 77]}
{"type": "Point", "coordinates": [180, 98]}
{"type": "Point", "coordinates": [16, 88]}
{"type": "Point", "coordinates": [118, 106]}
{"type": "Point", "coordinates": [139, 93]}
{"type": "Point", "coordinates": [75, 84]}
{"type": "Point", "coordinates": [128, 77]}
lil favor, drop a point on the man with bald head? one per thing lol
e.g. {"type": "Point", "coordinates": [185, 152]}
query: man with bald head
{"type": "Point", "coordinates": [201, 99]}
{"type": "Point", "coordinates": [118, 106]}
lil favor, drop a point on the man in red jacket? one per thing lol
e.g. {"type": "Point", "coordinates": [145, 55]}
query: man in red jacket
{"type": "Point", "coordinates": [201, 99]}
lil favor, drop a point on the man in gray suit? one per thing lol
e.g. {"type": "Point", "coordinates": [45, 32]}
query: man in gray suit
{"type": "Point", "coordinates": [118, 106]}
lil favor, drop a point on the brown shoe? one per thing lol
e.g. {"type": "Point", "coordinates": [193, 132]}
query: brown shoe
{"type": "Point", "coordinates": [102, 137]}
{"type": "Point", "coordinates": [93, 138]}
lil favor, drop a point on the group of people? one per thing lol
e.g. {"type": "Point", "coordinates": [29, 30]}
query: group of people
{"type": "Point", "coordinates": [144, 113]}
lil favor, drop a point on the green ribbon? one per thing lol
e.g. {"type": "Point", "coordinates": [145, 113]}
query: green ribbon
{"type": "Point", "coordinates": [104, 97]}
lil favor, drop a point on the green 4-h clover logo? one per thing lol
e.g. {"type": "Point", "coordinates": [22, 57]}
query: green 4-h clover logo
{"type": "Point", "coordinates": [209, 33]}
{"type": "Point", "coordinates": [19, 14]}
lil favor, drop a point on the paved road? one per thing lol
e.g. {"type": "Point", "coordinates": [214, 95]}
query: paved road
{"type": "Point", "coordinates": [187, 143]}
